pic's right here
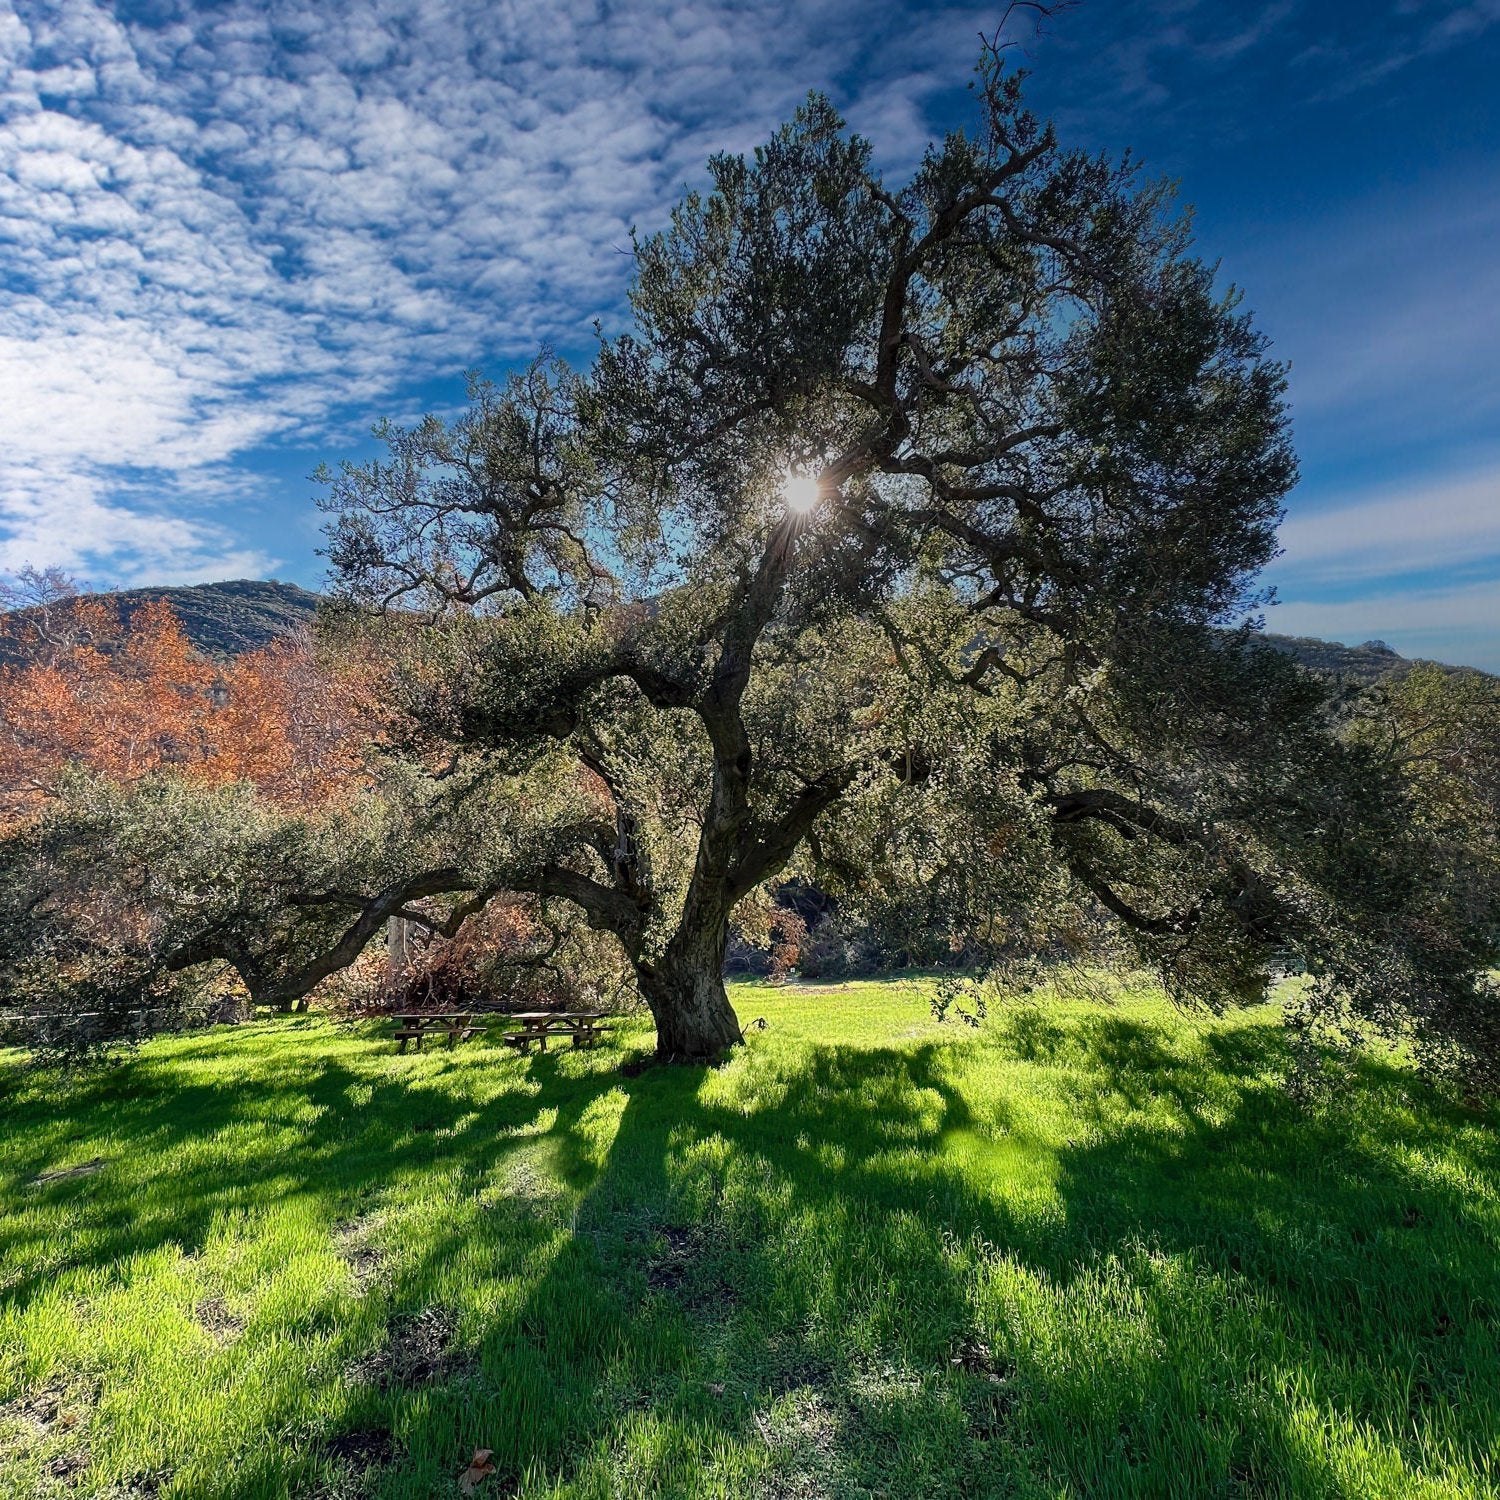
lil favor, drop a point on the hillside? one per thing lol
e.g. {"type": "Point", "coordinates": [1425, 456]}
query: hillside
{"type": "Point", "coordinates": [1364, 663]}
{"type": "Point", "coordinates": [225, 619]}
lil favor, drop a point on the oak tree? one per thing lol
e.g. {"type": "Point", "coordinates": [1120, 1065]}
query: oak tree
{"type": "Point", "coordinates": [905, 535]}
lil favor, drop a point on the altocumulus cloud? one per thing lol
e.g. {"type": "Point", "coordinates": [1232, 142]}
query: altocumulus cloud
{"type": "Point", "coordinates": [234, 234]}
{"type": "Point", "coordinates": [250, 225]}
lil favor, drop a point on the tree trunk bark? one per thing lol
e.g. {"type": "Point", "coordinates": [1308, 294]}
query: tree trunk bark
{"type": "Point", "coordinates": [685, 990]}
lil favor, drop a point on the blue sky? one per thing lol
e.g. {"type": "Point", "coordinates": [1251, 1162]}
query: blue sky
{"type": "Point", "coordinates": [233, 235]}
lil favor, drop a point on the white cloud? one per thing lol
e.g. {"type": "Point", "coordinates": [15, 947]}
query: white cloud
{"type": "Point", "coordinates": [237, 225]}
{"type": "Point", "coordinates": [1421, 560]}
{"type": "Point", "coordinates": [1458, 624]}
{"type": "Point", "coordinates": [1399, 530]}
{"type": "Point", "coordinates": [1133, 55]}
{"type": "Point", "coordinates": [71, 524]}
{"type": "Point", "coordinates": [1415, 29]}
{"type": "Point", "coordinates": [264, 222]}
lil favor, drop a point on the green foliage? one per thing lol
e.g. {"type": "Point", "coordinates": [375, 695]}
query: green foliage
{"type": "Point", "coordinates": [1366, 663]}
{"type": "Point", "coordinates": [228, 619]}
{"type": "Point", "coordinates": [101, 891]}
{"type": "Point", "coordinates": [1082, 1250]}
{"type": "Point", "coordinates": [120, 906]}
{"type": "Point", "coordinates": [1037, 432]}
{"type": "Point", "coordinates": [1430, 887]}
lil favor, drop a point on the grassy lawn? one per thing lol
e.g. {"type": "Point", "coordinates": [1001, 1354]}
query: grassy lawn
{"type": "Point", "coordinates": [1078, 1252]}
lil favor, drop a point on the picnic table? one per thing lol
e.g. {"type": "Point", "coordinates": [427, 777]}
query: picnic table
{"type": "Point", "coordinates": [417, 1026]}
{"type": "Point", "coordinates": [584, 1026]}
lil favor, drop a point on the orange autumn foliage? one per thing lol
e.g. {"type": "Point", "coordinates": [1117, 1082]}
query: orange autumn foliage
{"type": "Point", "coordinates": [293, 725]}
{"type": "Point", "coordinates": [127, 699]}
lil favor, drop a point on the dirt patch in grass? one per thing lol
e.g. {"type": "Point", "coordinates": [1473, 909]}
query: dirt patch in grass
{"type": "Point", "coordinates": [50, 1424]}
{"type": "Point", "coordinates": [353, 1239]}
{"type": "Point", "coordinates": [988, 1406]}
{"type": "Point", "coordinates": [990, 1397]}
{"type": "Point", "coordinates": [142, 1487]}
{"type": "Point", "coordinates": [212, 1314]}
{"type": "Point", "coordinates": [51, 1420]}
{"type": "Point", "coordinates": [685, 1264]}
{"type": "Point", "coordinates": [365, 1449]}
{"type": "Point", "coordinates": [36, 1413]}
{"type": "Point", "coordinates": [68, 1466]}
{"type": "Point", "coordinates": [710, 1299]}
{"type": "Point", "coordinates": [356, 1459]}
{"type": "Point", "coordinates": [417, 1350]}
{"type": "Point", "coordinates": [669, 1267]}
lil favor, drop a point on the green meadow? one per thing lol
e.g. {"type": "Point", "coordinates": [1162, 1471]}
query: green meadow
{"type": "Point", "coordinates": [1081, 1250]}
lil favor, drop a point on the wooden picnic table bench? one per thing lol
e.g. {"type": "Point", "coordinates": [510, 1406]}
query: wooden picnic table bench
{"type": "Point", "coordinates": [417, 1026]}
{"type": "Point", "coordinates": [537, 1025]}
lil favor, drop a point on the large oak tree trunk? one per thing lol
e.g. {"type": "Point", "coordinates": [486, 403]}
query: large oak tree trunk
{"type": "Point", "coordinates": [685, 990]}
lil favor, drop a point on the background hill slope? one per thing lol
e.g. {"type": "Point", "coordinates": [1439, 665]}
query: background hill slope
{"type": "Point", "coordinates": [225, 619]}
{"type": "Point", "coordinates": [221, 619]}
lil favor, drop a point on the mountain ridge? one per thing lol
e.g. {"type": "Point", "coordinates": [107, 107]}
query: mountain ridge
{"type": "Point", "coordinates": [221, 619]}
{"type": "Point", "coordinates": [238, 615]}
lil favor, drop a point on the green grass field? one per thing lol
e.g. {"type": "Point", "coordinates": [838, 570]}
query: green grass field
{"type": "Point", "coordinates": [1082, 1251]}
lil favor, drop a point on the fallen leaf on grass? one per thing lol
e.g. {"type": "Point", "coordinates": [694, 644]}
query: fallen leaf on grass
{"type": "Point", "coordinates": [479, 1469]}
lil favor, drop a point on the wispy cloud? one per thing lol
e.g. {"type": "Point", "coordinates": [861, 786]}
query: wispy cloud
{"type": "Point", "coordinates": [1414, 564]}
{"type": "Point", "coordinates": [1411, 31]}
{"type": "Point", "coordinates": [1447, 623]}
{"type": "Point", "coordinates": [72, 522]}
{"type": "Point", "coordinates": [1154, 57]}
{"type": "Point", "coordinates": [1398, 531]}
{"type": "Point", "coordinates": [254, 226]}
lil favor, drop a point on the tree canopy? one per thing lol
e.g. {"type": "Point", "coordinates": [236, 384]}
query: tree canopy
{"type": "Point", "coordinates": [908, 539]}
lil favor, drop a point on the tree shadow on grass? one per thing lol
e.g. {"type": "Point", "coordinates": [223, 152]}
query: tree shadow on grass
{"type": "Point", "coordinates": [297, 1125]}
{"type": "Point", "coordinates": [1267, 1268]}
{"type": "Point", "coordinates": [773, 1270]}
